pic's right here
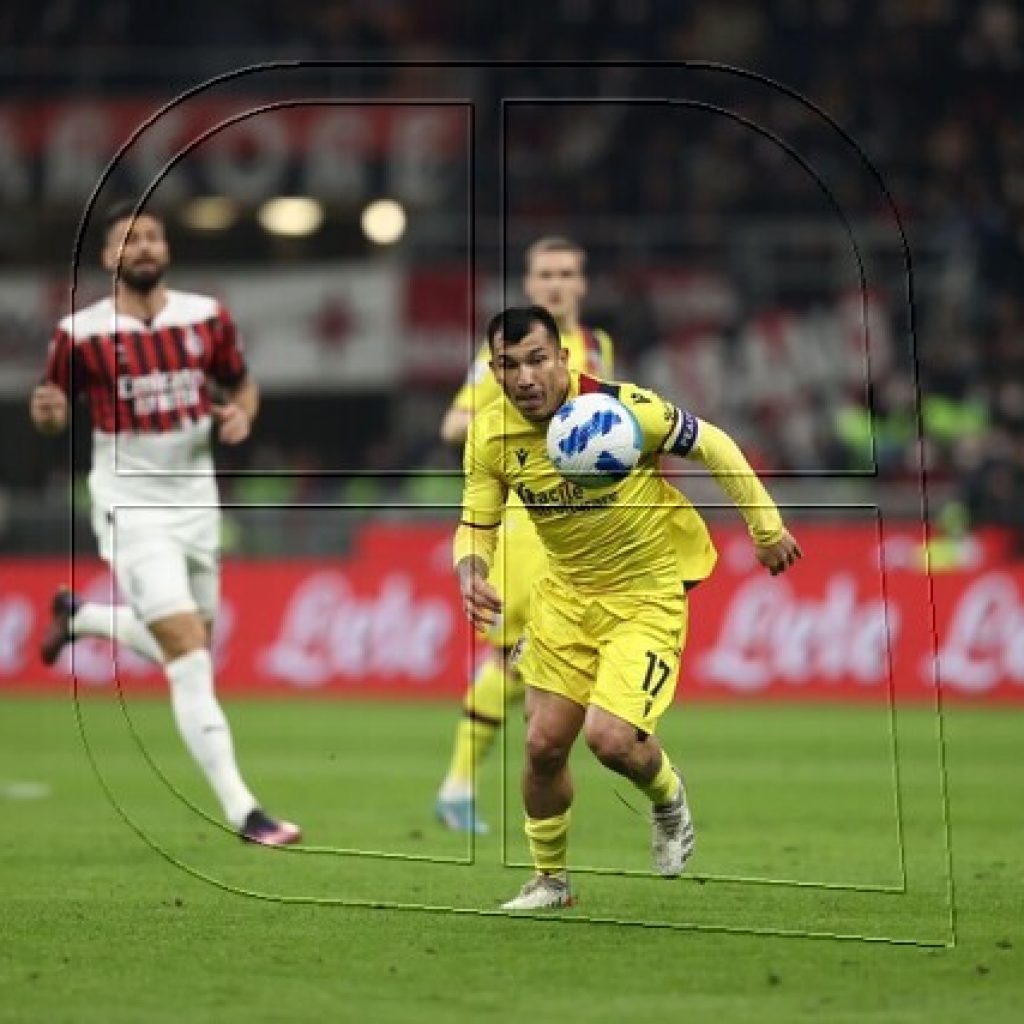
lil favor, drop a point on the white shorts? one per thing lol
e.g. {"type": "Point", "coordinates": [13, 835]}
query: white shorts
{"type": "Point", "coordinates": [165, 566]}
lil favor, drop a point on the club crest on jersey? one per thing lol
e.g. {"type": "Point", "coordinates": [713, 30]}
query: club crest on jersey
{"type": "Point", "coordinates": [577, 440]}
{"type": "Point", "coordinates": [521, 454]}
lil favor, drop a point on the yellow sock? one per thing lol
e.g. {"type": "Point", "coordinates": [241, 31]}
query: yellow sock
{"type": "Point", "coordinates": [473, 739]}
{"type": "Point", "coordinates": [475, 733]}
{"type": "Point", "coordinates": [549, 840]}
{"type": "Point", "coordinates": [664, 787]}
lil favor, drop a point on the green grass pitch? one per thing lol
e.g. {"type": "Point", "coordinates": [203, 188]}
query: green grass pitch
{"type": "Point", "coordinates": [819, 891]}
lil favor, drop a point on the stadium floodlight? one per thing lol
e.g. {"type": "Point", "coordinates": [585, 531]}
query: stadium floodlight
{"type": "Point", "coordinates": [210, 213]}
{"type": "Point", "coordinates": [383, 221]}
{"type": "Point", "coordinates": [293, 216]}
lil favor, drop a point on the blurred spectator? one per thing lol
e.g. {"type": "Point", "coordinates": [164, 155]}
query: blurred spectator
{"type": "Point", "coordinates": [993, 483]}
{"type": "Point", "coordinates": [882, 440]}
{"type": "Point", "coordinates": [652, 188]}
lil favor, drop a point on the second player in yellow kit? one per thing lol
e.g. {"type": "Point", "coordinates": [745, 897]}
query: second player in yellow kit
{"type": "Point", "coordinates": [519, 557]}
{"type": "Point", "coordinates": [555, 279]}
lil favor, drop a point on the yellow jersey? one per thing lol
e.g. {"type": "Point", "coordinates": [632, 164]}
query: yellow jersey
{"type": "Point", "coordinates": [639, 534]}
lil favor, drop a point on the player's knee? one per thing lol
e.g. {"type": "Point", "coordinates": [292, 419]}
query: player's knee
{"type": "Point", "coordinates": [179, 635]}
{"type": "Point", "coordinates": [611, 744]}
{"type": "Point", "coordinates": [545, 752]}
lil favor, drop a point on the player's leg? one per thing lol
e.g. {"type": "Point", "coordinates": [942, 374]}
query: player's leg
{"type": "Point", "coordinates": [71, 618]}
{"type": "Point", "coordinates": [636, 682]}
{"type": "Point", "coordinates": [558, 663]}
{"type": "Point", "coordinates": [182, 636]}
{"type": "Point", "coordinates": [157, 581]}
{"type": "Point", "coordinates": [215, 746]}
{"type": "Point", "coordinates": [639, 757]}
{"type": "Point", "coordinates": [483, 711]}
{"type": "Point", "coordinates": [631, 752]}
{"type": "Point", "coordinates": [553, 723]}
{"type": "Point", "coordinates": [519, 560]}
{"type": "Point", "coordinates": [497, 684]}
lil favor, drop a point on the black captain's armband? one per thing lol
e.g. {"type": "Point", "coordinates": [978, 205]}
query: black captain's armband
{"type": "Point", "coordinates": [683, 434]}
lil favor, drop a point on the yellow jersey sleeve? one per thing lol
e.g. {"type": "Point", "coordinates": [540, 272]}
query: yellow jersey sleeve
{"type": "Point", "coordinates": [655, 417]}
{"type": "Point", "coordinates": [483, 498]}
{"type": "Point", "coordinates": [698, 439]}
{"type": "Point", "coordinates": [480, 387]}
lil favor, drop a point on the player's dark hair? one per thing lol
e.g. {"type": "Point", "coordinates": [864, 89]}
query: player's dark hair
{"type": "Point", "coordinates": [125, 209]}
{"type": "Point", "coordinates": [516, 322]}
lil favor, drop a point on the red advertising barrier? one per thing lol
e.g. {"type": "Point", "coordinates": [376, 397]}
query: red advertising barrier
{"type": "Point", "coordinates": [857, 619]}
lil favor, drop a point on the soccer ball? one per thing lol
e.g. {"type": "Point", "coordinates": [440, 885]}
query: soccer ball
{"type": "Point", "coordinates": [594, 440]}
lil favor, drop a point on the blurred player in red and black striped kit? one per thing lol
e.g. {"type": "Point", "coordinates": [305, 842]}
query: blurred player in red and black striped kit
{"type": "Point", "coordinates": [143, 360]}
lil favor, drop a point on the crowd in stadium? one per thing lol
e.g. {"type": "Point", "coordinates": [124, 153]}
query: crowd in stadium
{"type": "Point", "coordinates": [949, 146]}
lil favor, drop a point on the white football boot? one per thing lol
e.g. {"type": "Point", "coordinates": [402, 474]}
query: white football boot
{"type": "Point", "coordinates": [672, 837]}
{"type": "Point", "coordinates": [542, 892]}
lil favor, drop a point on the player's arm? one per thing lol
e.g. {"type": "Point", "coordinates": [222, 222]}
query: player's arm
{"type": "Point", "coordinates": [776, 549]}
{"type": "Point", "coordinates": [478, 391]}
{"type": "Point", "coordinates": [455, 425]}
{"type": "Point", "coordinates": [483, 504]}
{"type": "Point", "coordinates": [48, 404]}
{"type": "Point", "coordinates": [236, 414]}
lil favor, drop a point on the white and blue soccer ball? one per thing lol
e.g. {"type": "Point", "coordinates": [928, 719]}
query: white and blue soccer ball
{"type": "Point", "coordinates": [594, 440]}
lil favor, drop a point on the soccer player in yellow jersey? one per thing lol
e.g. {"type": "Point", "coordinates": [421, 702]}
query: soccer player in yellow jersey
{"type": "Point", "coordinates": [555, 279]}
{"type": "Point", "coordinates": [608, 621]}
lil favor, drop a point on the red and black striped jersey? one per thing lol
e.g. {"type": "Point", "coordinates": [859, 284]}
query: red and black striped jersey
{"type": "Point", "coordinates": [147, 377]}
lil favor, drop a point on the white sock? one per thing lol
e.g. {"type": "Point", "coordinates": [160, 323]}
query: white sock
{"type": "Point", "coordinates": [206, 733]}
{"type": "Point", "coordinates": [116, 622]}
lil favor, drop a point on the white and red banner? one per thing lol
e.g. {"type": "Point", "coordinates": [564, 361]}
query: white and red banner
{"type": "Point", "coordinates": [857, 620]}
{"type": "Point", "coordinates": [334, 327]}
{"type": "Point", "coordinates": [249, 148]}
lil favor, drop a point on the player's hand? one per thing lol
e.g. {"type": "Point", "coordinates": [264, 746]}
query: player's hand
{"type": "Point", "coordinates": [480, 600]}
{"type": "Point", "coordinates": [455, 426]}
{"type": "Point", "coordinates": [234, 423]}
{"type": "Point", "coordinates": [778, 557]}
{"type": "Point", "coordinates": [48, 408]}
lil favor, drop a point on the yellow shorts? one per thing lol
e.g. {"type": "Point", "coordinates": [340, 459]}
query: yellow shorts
{"type": "Point", "coordinates": [519, 561]}
{"type": "Point", "coordinates": [620, 653]}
